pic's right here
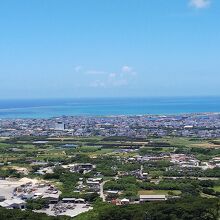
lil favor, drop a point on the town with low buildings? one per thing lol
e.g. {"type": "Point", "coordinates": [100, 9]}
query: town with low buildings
{"type": "Point", "coordinates": [205, 125]}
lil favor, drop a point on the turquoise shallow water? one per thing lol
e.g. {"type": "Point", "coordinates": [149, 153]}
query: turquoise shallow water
{"type": "Point", "coordinates": [45, 108]}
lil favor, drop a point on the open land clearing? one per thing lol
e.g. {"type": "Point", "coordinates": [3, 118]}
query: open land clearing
{"type": "Point", "coordinates": [159, 192]}
{"type": "Point", "coordinates": [7, 186]}
{"type": "Point", "coordinates": [205, 145]}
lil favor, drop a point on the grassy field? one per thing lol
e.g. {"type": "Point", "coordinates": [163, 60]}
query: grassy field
{"type": "Point", "coordinates": [16, 149]}
{"type": "Point", "coordinates": [205, 145]}
{"type": "Point", "coordinates": [188, 142]}
{"type": "Point", "coordinates": [159, 192]}
{"type": "Point", "coordinates": [216, 188]}
{"type": "Point", "coordinates": [181, 141]}
{"type": "Point", "coordinates": [207, 196]}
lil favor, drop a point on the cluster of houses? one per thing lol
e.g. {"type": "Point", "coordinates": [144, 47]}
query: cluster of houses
{"type": "Point", "coordinates": [45, 170]}
{"type": "Point", "coordinates": [89, 185]}
{"type": "Point", "coordinates": [180, 160]}
{"type": "Point", "coordinates": [189, 161]}
{"type": "Point", "coordinates": [141, 199]}
{"type": "Point", "coordinates": [80, 167]}
{"type": "Point", "coordinates": [77, 167]}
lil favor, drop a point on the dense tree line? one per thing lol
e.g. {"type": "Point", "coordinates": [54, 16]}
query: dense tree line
{"type": "Point", "coordinates": [184, 209]}
{"type": "Point", "coordinates": [9, 173]}
{"type": "Point", "coordinates": [15, 214]}
{"type": "Point", "coordinates": [189, 208]}
{"type": "Point", "coordinates": [186, 186]}
{"type": "Point", "coordinates": [195, 172]}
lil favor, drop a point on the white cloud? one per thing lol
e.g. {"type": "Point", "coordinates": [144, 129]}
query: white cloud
{"type": "Point", "coordinates": [78, 68]}
{"type": "Point", "coordinates": [97, 83]}
{"type": "Point", "coordinates": [112, 75]}
{"type": "Point", "coordinates": [200, 3]}
{"type": "Point", "coordinates": [103, 79]}
{"type": "Point", "coordinates": [126, 69]}
{"type": "Point", "coordinates": [95, 72]}
{"type": "Point", "coordinates": [120, 82]}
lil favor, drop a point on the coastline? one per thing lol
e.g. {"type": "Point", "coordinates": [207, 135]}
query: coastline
{"type": "Point", "coordinates": [102, 107]}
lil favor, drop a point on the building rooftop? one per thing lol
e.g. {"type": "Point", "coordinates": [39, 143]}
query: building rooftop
{"type": "Point", "coordinates": [152, 196]}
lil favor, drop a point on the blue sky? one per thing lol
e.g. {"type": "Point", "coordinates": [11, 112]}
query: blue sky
{"type": "Point", "coordinates": [109, 48]}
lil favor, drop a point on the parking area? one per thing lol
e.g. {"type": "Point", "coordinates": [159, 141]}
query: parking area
{"type": "Point", "coordinates": [7, 186]}
{"type": "Point", "coordinates": [69, 209]}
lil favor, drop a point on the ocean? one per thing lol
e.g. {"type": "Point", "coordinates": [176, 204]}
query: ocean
{"type": "Point", "coordinates": [47, 108]}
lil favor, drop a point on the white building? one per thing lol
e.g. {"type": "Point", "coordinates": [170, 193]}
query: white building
{"type": "Point", "coordinates": [13, 204]}
{"type": "Point", "coordinates": [60, 126]}
{"type": "Point", "coordinates": [149, 198]}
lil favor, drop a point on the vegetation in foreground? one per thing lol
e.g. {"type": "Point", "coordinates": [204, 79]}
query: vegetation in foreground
{"type": "Point", "coordinates": [199, 198]}
{"type": "Point", "coordinates": [196, 208]}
